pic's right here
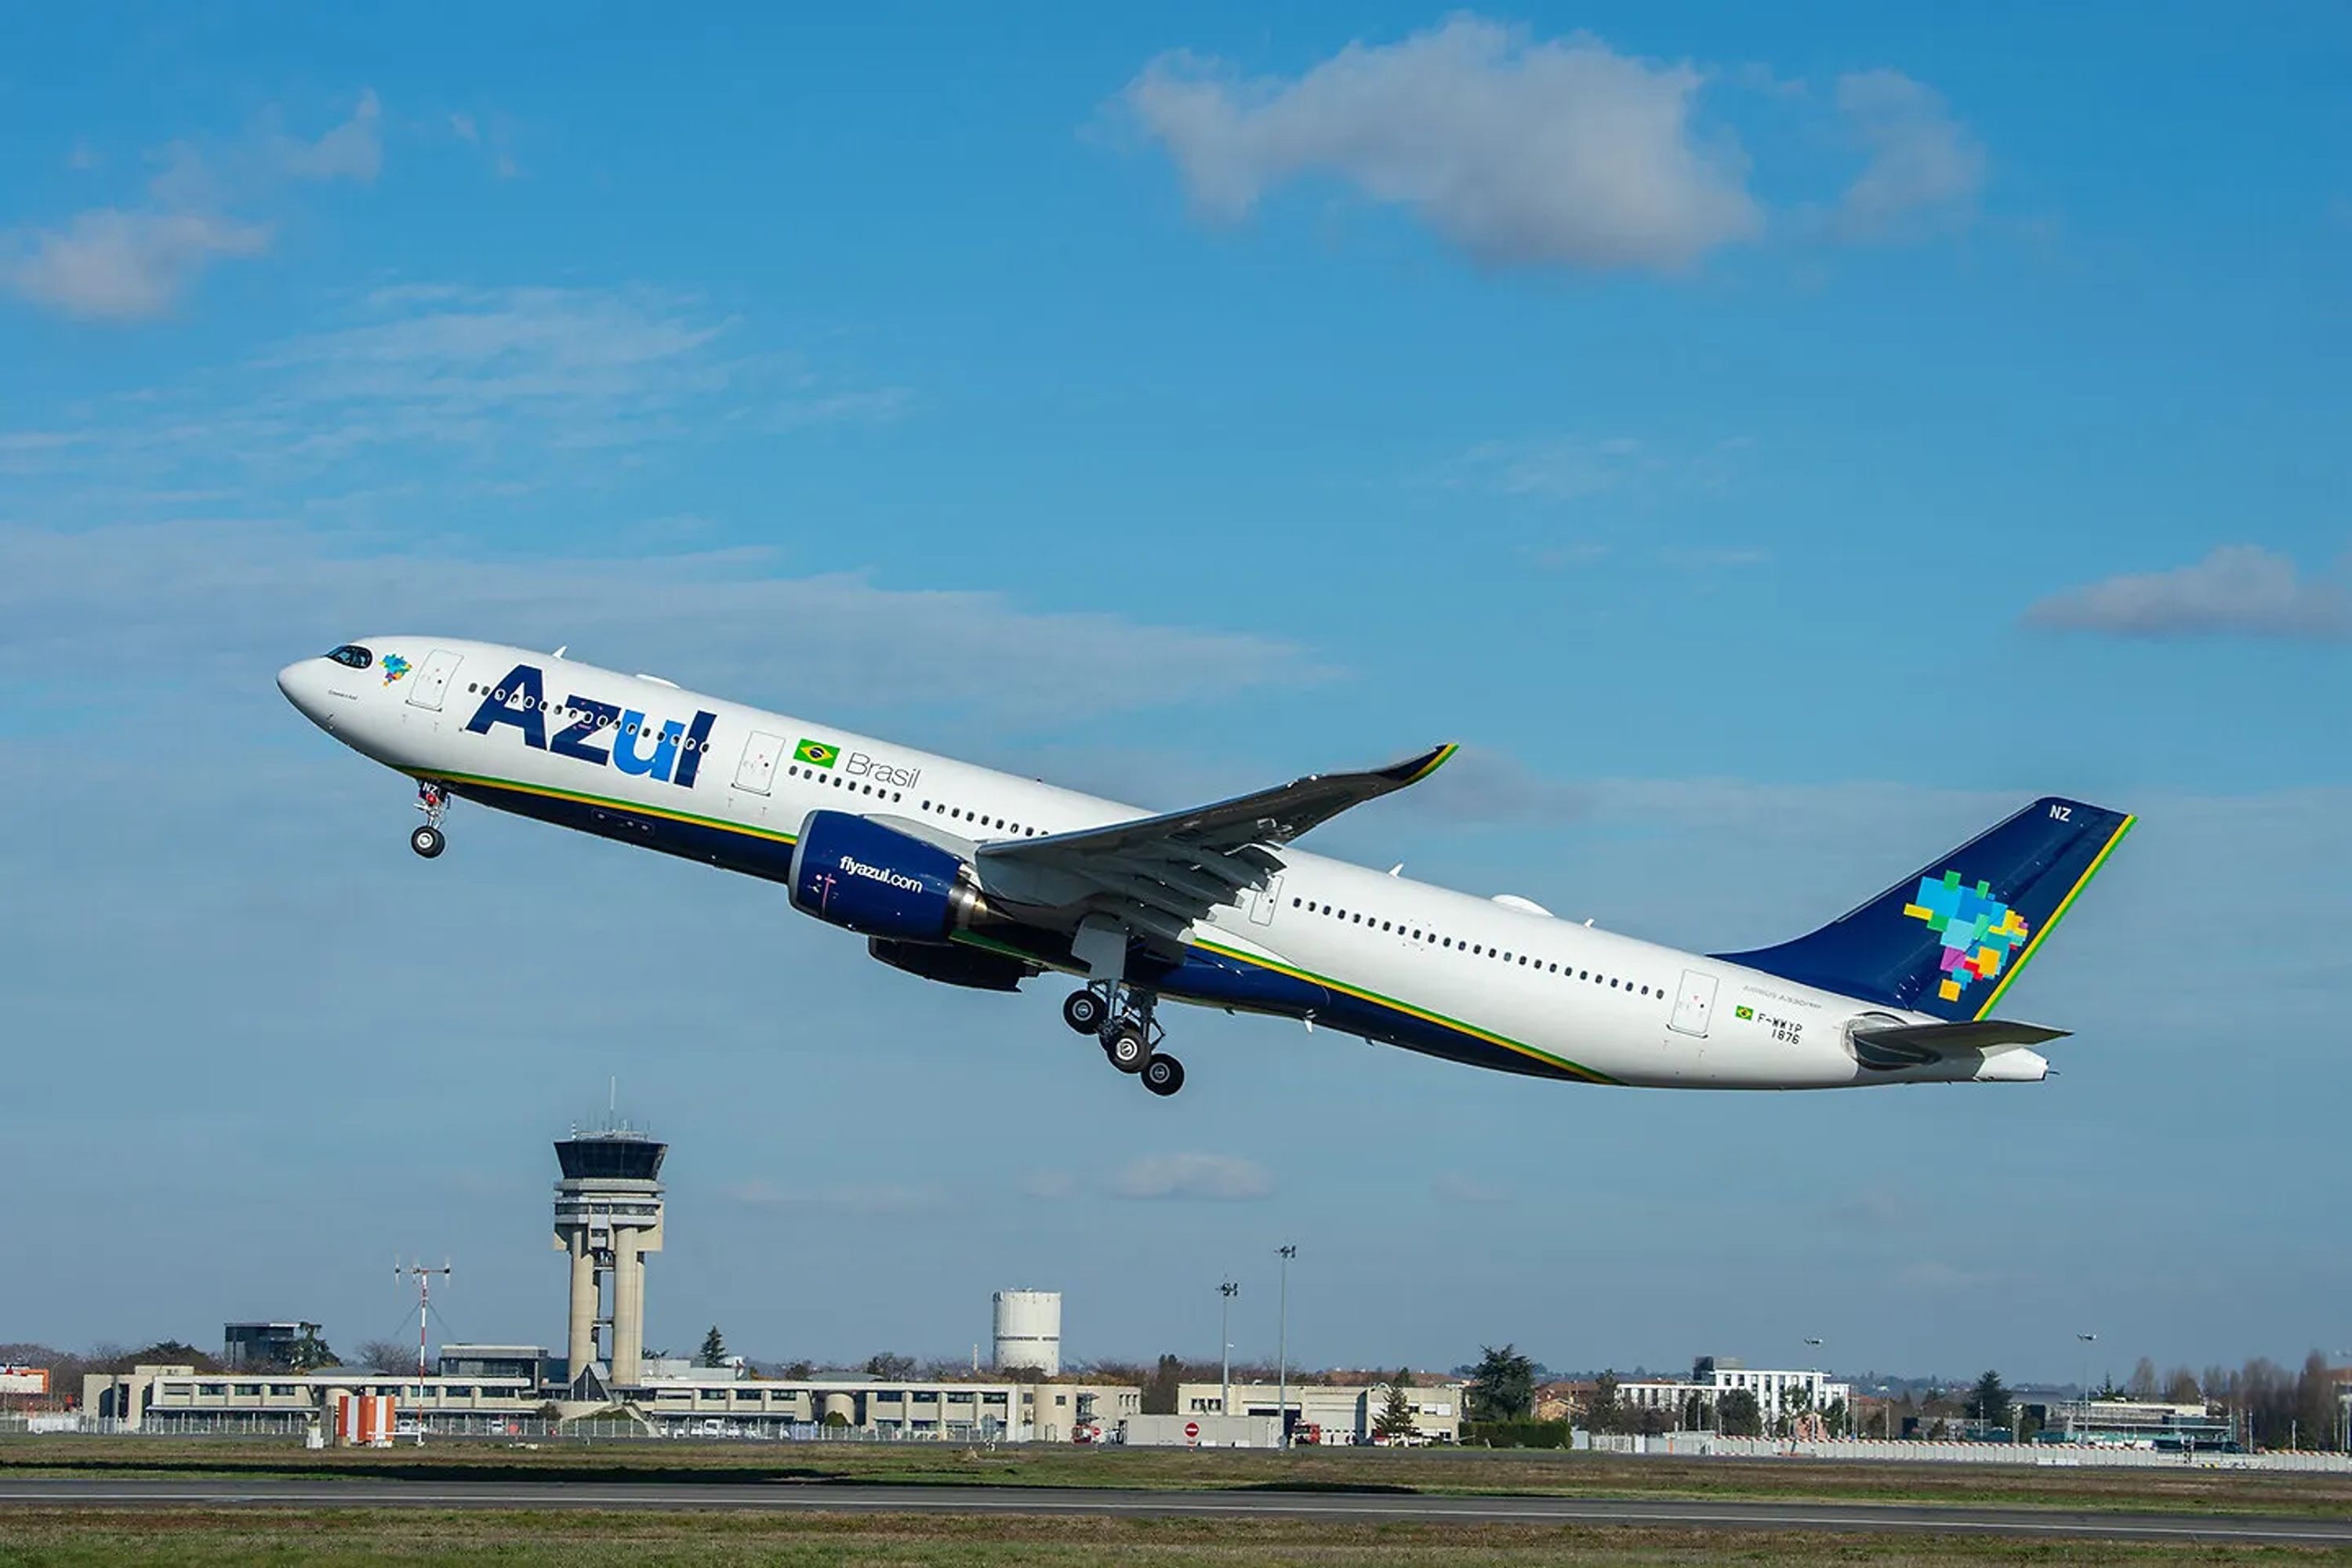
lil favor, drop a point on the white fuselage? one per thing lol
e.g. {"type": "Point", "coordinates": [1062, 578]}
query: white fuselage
{"type": "Point", "coordinates": [1394, 959]}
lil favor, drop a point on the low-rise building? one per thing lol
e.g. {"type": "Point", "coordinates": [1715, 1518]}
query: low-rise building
{"type": "Point", "coordinates": [1341, 1412]}
{"type": "Point", "coordinates": [164, 1398]}
{"type": "Point", "coordinates": [719, 1402]}
{"type": "Point", "coordinates": [1779, 1394]}
{"type": "Point", "coordinates": [2144, 1423]}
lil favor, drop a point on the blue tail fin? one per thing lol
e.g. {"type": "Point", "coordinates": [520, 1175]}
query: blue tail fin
{"type": "Point", "coordinates": [1948, 940]}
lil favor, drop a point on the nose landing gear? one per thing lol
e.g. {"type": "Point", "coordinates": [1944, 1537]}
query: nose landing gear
{"type": "Point", "coordinates": [432, 800]}
{"type": "Point", "coordinates": [1127, 1032]}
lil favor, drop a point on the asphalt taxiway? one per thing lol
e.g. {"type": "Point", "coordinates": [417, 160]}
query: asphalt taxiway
{"type": "Point", "coordinates": [1338, 1506]}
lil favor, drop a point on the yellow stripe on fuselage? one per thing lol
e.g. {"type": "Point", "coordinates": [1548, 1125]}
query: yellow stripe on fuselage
{"type": "Point", "coordinates": [1423, 1014]}
{"type": "Point", "coordinates": [2033, 945]}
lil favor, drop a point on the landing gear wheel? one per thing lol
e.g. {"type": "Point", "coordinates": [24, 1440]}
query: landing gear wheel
{"type": "Point", "coordinates": [1085, 1011]}
{"type": "Point", "coordinates": [1127, 1048]}
{"type": "Point", "coordinates": [1163, 1075]}
{"type": "Point", "coordinates": [427, 841]}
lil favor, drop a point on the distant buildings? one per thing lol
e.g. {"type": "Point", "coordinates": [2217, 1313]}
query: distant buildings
{"type": "Point", "coordinates": [1340, 1413]}
{"type": "Point", "coordinates": [257, 1347]}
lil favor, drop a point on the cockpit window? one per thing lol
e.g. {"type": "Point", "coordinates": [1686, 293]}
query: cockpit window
{"type": "Point", "coordinates": [351, 653]}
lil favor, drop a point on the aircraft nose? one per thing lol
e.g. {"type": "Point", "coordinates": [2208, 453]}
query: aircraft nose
{"type": "Point", "coordinates": [304, 684]}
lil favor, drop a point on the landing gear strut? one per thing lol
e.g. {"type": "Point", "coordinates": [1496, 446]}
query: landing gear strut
{"type": "Point", "coordinates": [1120, 1017]}
{"type": "Point", "coordinates": [433, 801]}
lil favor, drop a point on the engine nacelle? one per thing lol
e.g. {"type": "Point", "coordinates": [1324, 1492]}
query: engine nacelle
{"type": "Point", "coordinates": [881, 883]}
{"type": "Point", "coordinates": [954, 965]}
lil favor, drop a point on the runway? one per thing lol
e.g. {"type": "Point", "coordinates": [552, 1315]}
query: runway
{"type": "Point", "coordinates": [343, 1492]}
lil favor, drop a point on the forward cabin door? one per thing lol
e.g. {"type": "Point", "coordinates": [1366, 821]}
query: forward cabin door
{"type": "Point", "coordinates": [1694, 1004]}
{"type": "Point", "coordinates": [432, 682]}
{"type": "Point", "coordinates": [757, 771]}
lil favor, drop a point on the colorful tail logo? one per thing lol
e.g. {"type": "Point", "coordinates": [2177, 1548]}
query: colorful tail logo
{"type": "Point", "coordinates": [1980, 931]}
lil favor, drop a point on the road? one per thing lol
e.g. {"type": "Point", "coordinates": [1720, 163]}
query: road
{"type": "Point", "coordinates": [357, 1491]}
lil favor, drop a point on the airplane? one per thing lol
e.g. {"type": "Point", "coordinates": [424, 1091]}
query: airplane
{"type": "Point", "coordinates": [976, 877]}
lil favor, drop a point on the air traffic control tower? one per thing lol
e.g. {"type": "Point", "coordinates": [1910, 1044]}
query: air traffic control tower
{"type": "Point", "coordinates": [608, 1216]}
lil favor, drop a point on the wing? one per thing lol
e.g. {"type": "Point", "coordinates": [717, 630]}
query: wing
{"type": "Point", "coordinates": [1160, 874]}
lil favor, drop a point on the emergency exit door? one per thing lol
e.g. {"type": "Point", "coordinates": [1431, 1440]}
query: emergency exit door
{"type": "Point", "coordinates": [1694, 1004]}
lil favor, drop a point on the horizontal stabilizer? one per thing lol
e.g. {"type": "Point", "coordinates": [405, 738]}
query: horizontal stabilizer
{"type": "Point", "coordinates": [1976, 1034]}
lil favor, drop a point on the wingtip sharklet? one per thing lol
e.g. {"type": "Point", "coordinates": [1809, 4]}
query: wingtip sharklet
{"type": "Point", "coordinates": [1412, 770]}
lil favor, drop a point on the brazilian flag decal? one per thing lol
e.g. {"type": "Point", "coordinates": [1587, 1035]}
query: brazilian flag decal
{"type": "Point", "coordinates": [816, 753]}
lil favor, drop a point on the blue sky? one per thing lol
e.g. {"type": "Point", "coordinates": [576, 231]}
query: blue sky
{"type": "Point", "coordinates": [1775, 443]}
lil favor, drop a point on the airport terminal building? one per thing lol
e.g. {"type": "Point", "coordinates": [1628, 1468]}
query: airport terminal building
{"type": "Point", "coordinates": [679, 1401]}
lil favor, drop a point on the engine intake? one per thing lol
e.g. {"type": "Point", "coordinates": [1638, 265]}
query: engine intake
{"type": "Point", "coordinates": [853, 872]}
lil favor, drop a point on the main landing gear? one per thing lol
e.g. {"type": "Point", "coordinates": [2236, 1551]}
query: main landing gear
{"type": "Point", "coordinates": [1129, 1036]}
{"type": "Point", "coordinates": [433, 801]}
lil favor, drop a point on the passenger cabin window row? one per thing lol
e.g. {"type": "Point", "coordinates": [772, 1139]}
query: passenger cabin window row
{"type": "Point", "coordinates": [566, 711]}
{"type": "Point", "coordinates": [1478, 949]}
{"type": "Point", "coordinates": [980, 819]}
{"type": "Point", "coordinates": [854, 786]}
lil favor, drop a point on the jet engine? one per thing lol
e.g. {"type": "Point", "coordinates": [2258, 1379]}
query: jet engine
{"type": "Point", "coordinates": [851, 871]}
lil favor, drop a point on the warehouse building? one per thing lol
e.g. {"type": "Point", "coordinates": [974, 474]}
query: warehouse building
{"type": "Point", "coordinates": [1340, 1412]}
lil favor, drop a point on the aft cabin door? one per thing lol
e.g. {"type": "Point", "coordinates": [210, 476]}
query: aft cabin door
{"type": "Point", "coordinates": [761, 753]}
{"type": "Point", "coordinates": [1262, 901]}
{"type": "Point", "coordinates": [1694, 1004]}
{"type": "Point", "coordinates": [433, 680]}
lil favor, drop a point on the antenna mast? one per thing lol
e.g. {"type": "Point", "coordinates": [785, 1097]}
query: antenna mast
{"type": "Point", "coordinates": [424, 1278]}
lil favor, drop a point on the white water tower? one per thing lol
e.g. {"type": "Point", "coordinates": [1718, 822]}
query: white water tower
{"type": "Point", "coordinates": [1029, 1330]}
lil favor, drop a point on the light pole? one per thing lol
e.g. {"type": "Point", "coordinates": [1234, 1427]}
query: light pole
{"type": "Point", "coordinates": [1815, 1342]}
{"type": "Point", "coordinates": [2082, 1408]}
{"type": "Point", "coordinates": [1225, 1334]}
{"type": "Point", "coordinates": [1282, 1351]}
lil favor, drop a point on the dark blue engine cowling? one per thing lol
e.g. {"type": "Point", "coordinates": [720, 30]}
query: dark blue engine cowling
{"type": "Point", "coordinates": [877, 880]}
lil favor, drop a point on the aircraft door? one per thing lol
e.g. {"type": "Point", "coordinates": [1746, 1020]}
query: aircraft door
{"type": "Point", "coordinates": [761, 753]}
{"type": "Point", "coordinates": [432, 682]}
{"type": "Point", "coordinates": [1694, 1004]}
{"type": "Point", "coordinates": [1265, 900]}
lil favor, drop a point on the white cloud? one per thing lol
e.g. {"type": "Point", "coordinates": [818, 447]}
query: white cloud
{"type": "Point", "coordinates": [1480, 786]}
{"type": "Point", "coordinates": [1225, 1178]}
{"type": "Point", "coordinates": [253, 594]}
{"type": "Point", "coordinates": [123, 264]}
{"type": "Point", "coordinates": [351, 150]}
{"type": "Point", "coordinates": [112, 264]}
{"type": "Point", "coordinates": [1453, 1187]}
{"type": "Point", "coordinates": [1713, 557]}
{"type": "Point", "coordinates": [1559, 467]}
{"type": "Point", "coordinates": [510, 375]}
{"type": "Point", "coordinates": [2241, 590]}
{"type": "Point", "coordinates": [1052, 1186]}
{"type": "Point", "coordinates": [1521, 151]}
{"type": "Point", "coordinates": [1923, 171]}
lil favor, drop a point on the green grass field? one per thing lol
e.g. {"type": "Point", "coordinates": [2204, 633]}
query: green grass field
{"type": "Point", "coordinates": [1546, 1473]}
{"type": "Point", "coordinates": [351, 1537]}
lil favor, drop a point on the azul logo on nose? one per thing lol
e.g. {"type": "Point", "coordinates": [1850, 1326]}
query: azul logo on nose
{"type": "Point", "coordinates": [675, 750]}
